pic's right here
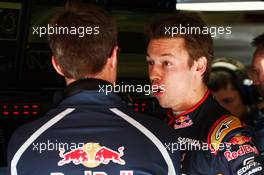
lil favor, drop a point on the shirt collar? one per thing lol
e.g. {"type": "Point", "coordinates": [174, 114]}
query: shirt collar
{"type": "Point", "coordinates": [188, 112]}
{"type": "Point", "coordinates": [86, 91]}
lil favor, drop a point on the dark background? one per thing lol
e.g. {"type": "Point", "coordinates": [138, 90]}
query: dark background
{"type": "Point", "coordinates": [28, 80]}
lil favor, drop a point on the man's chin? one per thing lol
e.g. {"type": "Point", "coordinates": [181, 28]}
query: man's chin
{"type": "Point", "coordinates": [261, 91]}
{"type": "Point", "coordinates": [163, 104]}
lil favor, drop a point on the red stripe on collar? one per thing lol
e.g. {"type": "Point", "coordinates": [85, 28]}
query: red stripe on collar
{"type": "Point", "coordinates": [195, 106]}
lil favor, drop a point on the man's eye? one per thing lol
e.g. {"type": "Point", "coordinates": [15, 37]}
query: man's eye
{"type": "Point", "coordinates": [254, 71]}
{"type": "Point", "coordinates": [167, 63]}
{"type": "Point", "coordinates": [151, 63]}
{"type": "Point", "coordinates": [227, 101]}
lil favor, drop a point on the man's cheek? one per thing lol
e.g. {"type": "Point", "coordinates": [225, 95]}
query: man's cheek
{"type": "Point", "coordinates": [262, 88]}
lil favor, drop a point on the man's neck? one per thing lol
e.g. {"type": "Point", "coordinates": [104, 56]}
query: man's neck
{"type": "Point", "coordinates": [192, 100]}
{"type": "Point", "coordinates": [96, 76]}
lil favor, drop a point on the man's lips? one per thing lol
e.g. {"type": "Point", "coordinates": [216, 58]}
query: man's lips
{"type": "Point", "coordinates": [156, 90]}
{"type": "Point", "coordinates": [157, 94]}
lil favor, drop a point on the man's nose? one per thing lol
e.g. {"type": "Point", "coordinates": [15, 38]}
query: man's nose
{"type": "Point", "coordinates": [155, 73]}
{"type": "Point", "coordinates": [253, 75]}
{"type": "Point", "coordinates": [255, 80]}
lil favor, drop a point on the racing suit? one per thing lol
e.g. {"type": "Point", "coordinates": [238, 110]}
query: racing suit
{"type": "Point", "coordinates": [213, 141]}
{"type": "Point", "coordinates": [91, 133]}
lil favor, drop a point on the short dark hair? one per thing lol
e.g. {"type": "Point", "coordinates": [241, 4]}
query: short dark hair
{"type": "Point", "coordinates": [197, 44]}
{"type": "Point", "coordinates": [258, 41]}
{"type": "Point", "coordinates": [87, 55]}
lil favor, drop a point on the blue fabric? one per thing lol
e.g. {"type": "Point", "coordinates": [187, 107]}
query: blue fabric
{"type": "Point", "coordinates": [110, 141]}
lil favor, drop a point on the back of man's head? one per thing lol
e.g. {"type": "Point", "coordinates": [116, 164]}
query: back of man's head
{"type": "Point", "coordinates": [259, 41]}
{"type": "Point", "coordinates": [83, 38]}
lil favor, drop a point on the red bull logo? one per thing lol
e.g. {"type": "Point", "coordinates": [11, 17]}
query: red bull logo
{"type": "Point", "coordinates": [182, 122]}
{"type": "Point", "coordinates": [92, 155]}
{"type": "Point", "coordinates": [239, 140]}
{"type": "Point", "coordinates": [123, 172]}
{"type": "Point", "coordinates": [76, 156]}
{"type": "Point", "coordinates": [105, 155]}
{"type": "Point", "coordinates": [243, 149]}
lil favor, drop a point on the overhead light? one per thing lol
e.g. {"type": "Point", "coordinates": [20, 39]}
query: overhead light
{"type": "Point", "coordinates": [220, 6]}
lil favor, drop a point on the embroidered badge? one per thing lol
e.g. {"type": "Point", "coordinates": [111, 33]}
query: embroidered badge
{"type": "Point", "coordinates": [182, 122]}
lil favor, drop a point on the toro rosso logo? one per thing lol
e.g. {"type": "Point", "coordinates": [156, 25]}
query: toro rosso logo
{"type": "Point", "coordinates": [91, 155]}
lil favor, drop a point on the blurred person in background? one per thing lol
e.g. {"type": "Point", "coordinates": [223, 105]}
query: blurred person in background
{"type": "Point", "coordinates": [257, 74]}
{"type": "Point", "coordinates": [233, 89]}
{"type": "Point", "coordinates": [258, 63]}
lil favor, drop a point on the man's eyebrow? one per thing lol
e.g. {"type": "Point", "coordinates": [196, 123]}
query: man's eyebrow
{"type": "Point", "coordinates": [252, 68]}
{"type": "Point", "coordinates": [163, 55]}
{"type": "Point", "coordinates": [167, 55]}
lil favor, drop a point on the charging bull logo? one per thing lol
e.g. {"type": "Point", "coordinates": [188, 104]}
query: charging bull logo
{"type": "Point", "coordinates": [104, 155]}
{"type": "Point", "coordinates": [239, 139]}
{"type": "Point", "coordinates": [182, 122]}
{"type": "Point", "coordinates": [92, 155]}
{"type": "Point", "coordinates": [76, 156]}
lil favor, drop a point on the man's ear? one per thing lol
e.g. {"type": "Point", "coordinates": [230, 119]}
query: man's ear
{"type": "Point", "coordinates": [201, 64]}
{"type": "Point", "coordinates": [56, 66]}
{"type": "Point", "coordinates": [113, 57]}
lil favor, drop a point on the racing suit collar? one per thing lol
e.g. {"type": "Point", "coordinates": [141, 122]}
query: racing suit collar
{"type": "Point", "coordinates": [87, 84]}
{"type": "Point", "coordinates": [84, 84]}
{"type": "Point", "coordinates": [189, 111]}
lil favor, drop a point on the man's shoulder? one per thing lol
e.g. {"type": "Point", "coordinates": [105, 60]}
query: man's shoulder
{"type": "Point", "coordinates": [142, 118]}
{"type": "Point", "coordinates": [25, 131]}
{"type": "Point", "coordinates": [225, 128]}
{"type": "Point", "coordinates": [211, 111]}
{"type": "Point", "coordinates": [236, 143]}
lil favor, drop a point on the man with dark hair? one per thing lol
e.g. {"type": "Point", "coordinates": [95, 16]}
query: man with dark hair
{"type": "Point", "coordinates": [227, 85]}
{"type": "Point", "coordinates": [258, 63]}
{"type": "Point", "coordinates": [89, 132]}
{"type": "Point", "coordinates": [258, 80]}
{"type": "Point", "coordinates": [179, 54]}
